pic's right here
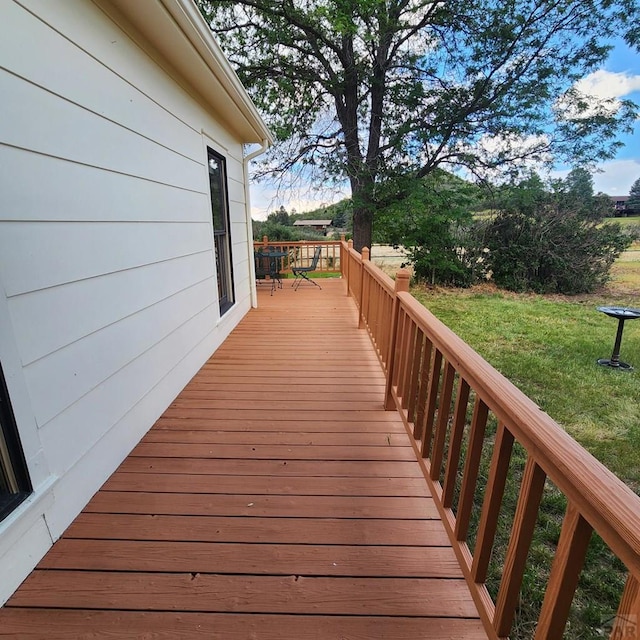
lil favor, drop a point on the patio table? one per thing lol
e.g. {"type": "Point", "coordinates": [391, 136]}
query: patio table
{"type": "Point", "coordinates": [268, 265]}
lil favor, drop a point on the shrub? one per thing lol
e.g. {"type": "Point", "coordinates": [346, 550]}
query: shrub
{"type": "Point", "coordinates": [429, 218]}
{"type": "Point", "coordinates": [552, 240]}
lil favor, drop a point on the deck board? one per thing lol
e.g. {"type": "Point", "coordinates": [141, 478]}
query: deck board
{"type": "Point", "coordinates": [275, 498]}
{"type": "Point", "coordinates": [278, 485]}
{"type": "Point", "coordinates": [65, 624]}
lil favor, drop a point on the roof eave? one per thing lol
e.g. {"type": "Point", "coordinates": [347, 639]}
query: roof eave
{"type": "Point", "coordinates": [177, 29]}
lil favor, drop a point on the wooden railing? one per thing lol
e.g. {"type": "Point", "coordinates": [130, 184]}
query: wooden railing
{"type": "Point", "coordinates": [300, 253]}
{"type": "Point", "coordinates": [454, 403]}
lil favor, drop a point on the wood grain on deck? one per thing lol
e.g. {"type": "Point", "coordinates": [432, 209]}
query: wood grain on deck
{"type": "Point", "coordinates": [274, 499]}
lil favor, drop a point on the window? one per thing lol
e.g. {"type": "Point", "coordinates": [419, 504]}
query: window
{"type": "Point", "coordinates": [221, 229]}
{"type": "Point", "coordinates": [15, 485]}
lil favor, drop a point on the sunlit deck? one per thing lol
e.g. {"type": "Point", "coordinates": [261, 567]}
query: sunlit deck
{"type": "Point", "coordinates": [275, 499]}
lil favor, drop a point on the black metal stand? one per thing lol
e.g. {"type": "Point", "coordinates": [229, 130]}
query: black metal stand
{"type": "Point", "coordinates": [621, 314]}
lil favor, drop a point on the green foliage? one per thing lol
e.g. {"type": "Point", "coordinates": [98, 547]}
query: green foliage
{"type": "Point", "coordinates": [633, 202]}
{"type": "Point", "coordinates": [363, 90]}
{"type": "Point", "coordinates": [281, 217]}
{"type": "Point", "coordinates": [553, 240]}
{"type": "Point", "coordinates": [273, 230]}
{"type": "Point", "coordinates": [276, 231]}
{"type": "Point", "coordinates": [430, 218]}
{"type": "Point", "coordinates": [341, 214]}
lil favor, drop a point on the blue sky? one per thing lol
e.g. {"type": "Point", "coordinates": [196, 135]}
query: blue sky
{"type": "Point", "coordinates": [618, 78]}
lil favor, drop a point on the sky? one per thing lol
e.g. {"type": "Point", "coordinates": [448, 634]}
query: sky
{"type": "Point", "coordinates": [618, 78]}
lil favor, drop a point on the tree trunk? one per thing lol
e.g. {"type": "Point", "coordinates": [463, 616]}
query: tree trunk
{"type": "Point", "coordinates": [362, 230]}
{"type": "Point", "coordinates": [363, 210]}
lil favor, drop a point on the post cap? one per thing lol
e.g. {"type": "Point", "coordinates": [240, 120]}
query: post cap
{"type": "Point", "coordinates": [402, 280]}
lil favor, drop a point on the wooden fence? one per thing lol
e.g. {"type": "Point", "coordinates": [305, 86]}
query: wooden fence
{"type": "Point", "coordinates": [451, 400]}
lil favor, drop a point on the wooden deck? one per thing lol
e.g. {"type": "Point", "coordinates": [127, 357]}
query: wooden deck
{"type": "Point", "coordinates": [275, 499]}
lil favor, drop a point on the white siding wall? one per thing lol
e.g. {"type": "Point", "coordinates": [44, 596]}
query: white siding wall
{"type": "Point", "coordinates": [108, 297]}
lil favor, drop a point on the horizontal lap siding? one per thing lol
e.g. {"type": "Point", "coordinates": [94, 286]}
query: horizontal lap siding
{"type": "Point", "coordinates": [106, 254]}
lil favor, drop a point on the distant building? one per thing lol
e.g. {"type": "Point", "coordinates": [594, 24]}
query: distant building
{"type": "Point", "coordinates": [316, 225]}
{"type": "Point", "coordinates": [620, 206]}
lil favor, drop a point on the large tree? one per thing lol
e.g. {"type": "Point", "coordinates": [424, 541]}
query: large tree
{"type": "Point", "coordinates": [366, 90]}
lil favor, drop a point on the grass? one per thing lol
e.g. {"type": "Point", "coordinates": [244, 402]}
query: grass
{"type": "Point", "coordinates": [626, 222]}
{"type": "Point", "coordinates": [548, 347]}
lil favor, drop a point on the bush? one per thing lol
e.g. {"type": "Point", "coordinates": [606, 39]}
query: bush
{"type": "Point", "coordinates": [279, 232]}
{"type": "Point", "coordinates": [430, 219]}
{"type": "Point", "coordinates": [552, 241]}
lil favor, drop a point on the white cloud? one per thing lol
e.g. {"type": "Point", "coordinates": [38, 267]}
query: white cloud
{"type": "Point", "coordinates": [602, 91]}
{"type": "Point", "coordinates": [617, 176]}
{"type": "Point", "coordinates": [608, 84]}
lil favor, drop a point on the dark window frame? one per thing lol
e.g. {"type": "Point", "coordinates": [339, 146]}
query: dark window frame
{"type": "Point", "coordinates": [221, 221]}
{"type": "Point", "coordinates": [15, 484]}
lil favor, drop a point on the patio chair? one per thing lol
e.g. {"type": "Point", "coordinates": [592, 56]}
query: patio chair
{"type": "Point", "coordinates": [300, 273]}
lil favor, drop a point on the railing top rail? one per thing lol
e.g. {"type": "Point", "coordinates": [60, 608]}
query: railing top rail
{"type": "Point", "coordinates": [380, 277]}
{"type": "Point", "coordinates": [297, 243]}
{"type": "Point", "coordinates": [609, 505]}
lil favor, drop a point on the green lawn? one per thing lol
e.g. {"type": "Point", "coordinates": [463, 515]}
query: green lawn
{"type": "Point", "coordinates": [548, 347]}
{"type": "Point", "coordinates": [626, 222]}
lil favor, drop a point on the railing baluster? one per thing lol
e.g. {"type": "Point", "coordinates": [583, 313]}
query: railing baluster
{"type": "Point", "coordinates": [382, 328]}
{"type": "Point", "coordinates": [350, 268]}
{"type": "Point", "coordinates": [346, 266]}
{"type": "Point", "coordinates": [472, 464]}
{"type": "Point", "coordinates": [524, 522]}
{"type": "Point", "coordinates": [402, 285]}
{"type": "Point", "coordinates": [444, 411]}
{"type": "Point", "coordinates": [416, 375]}
{"type": "Point", "coordinates": [382, 320]}
{"type": "Point", "coordinates": [492, 502]}
{"type": "Point", "coordinates": [364, 298]}
{"type": "Point", "coordinates": [399, 359]}
{"type": "Point", "coordinates": [565, 571]}
{"type": "Point", "coordinates": [374, 301]}
{"type": "Point", "coordinates": [388, 333]}
{"type": "Point", "coordinates": [455, 444]}
{"type": "Point", "coordinates": [423, 390]}
{"type": "Point", "coordinates": [425, 426]}
{"type": "Point", "coordinates": [407, 369]}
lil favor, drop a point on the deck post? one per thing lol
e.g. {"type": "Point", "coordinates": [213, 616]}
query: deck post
{"type": "Point", "coordinates": [348, 266]}
{"type": "Point", "coordinates": [402, 284]}
{"type": "Point", "coordinates": [364, 298]}
{"type": "Point", "coordinates": [342, 256]}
